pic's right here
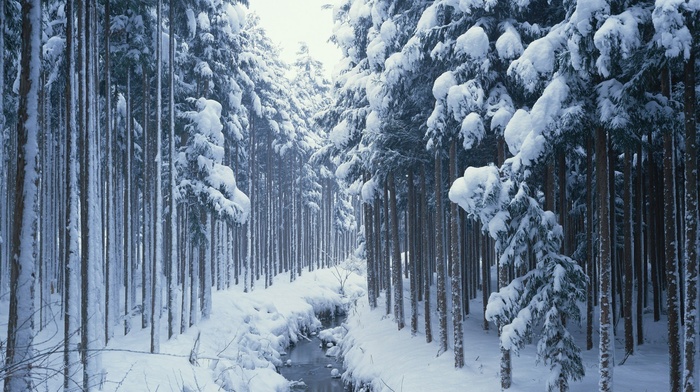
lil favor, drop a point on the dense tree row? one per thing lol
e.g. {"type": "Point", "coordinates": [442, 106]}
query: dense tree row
{"type": "Point", "coordinates": [151, 153]}
{"type": "Point", "coordinates": [576, 123]}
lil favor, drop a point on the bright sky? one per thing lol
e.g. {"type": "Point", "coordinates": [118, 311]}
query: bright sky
{"type": "Point", "coordinates": [289, 22]}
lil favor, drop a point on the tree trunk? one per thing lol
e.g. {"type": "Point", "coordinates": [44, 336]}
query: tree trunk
{"type": "Point", "coordinates": [20, 328]}
{"type": "Point", "coordinates": [426, 265]}
{"type": "Point", "coordinates": [604, 256]}
{"type": "Point", "coordinates": [385, 271]}
{"type": "Point", "coordinates": [456, 271]}
{"type": "Point", "coordinates": [172, 208]}
{"type": "Point", "coordinates": [691, 222]}
{"type": "Point", "coordinates": [72, 259]}
{"type": "Point", "coordinates": [440, 255]}
{"type": "Point", "coordinates": [412, 222]}
{"type": "Point", "coordinates": [628, 258]}
{"type": "Point", "coordinates": [590, 256]}
{"type": "Point", "coordinates": [369, 252]}
{"type": "Point", "coordinates": [638, 257]}
{"type": "Point", "coordinates": [655, 239]}
{"type": "Point", "coordinates": [672, 281]}
{"type": "Point", "coordinates": [110, 218]}
{"type": "Point", "coordinates": [157, 270]}
{"type": "Point", "coordinates": [396, 270]}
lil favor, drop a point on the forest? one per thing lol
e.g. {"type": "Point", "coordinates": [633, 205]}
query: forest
{"type": "Point", "coordinates": [537, 157]}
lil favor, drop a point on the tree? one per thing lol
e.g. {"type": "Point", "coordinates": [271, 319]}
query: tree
{"type": "Point", "coordinates": [72, 258]}
{"type": "Point", "coordinates": [20, 329]}
{"type": "Point", "coordinates": [158, 218]}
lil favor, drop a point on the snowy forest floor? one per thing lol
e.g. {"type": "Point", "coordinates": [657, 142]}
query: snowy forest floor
{"type": "Point", "coordinates": [377, 354]}
{"type": "Point", "coordinates": [247, 334]}
{"type": "Point", "coordinates": [239, 346]}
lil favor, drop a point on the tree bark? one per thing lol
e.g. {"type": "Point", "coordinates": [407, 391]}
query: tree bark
{"type": "Point", "coordinates": [413, 251]}
{"type": "Point", "coordinates": [628, 257]}
{"type": "Point", "coordinates": [671, 255]}
{"type": "Point", "coordinates": [20, 329]}
{"type": "Point", "coordinates": [456, 271]}
{"type": "Point", "coordinates": [72, 259]}
{"type": "Point", "coordinates": [369, 252]}
{"type": "Point", "coordinates": [604, 256]}
{"type": "Point", "coordinates": [396, 270]}
{"type": "Point", "coordinates": [590, 256]}
{"type": "Point", "coordinates": [158, 218]}
{"type": "Point", "coordinates": [426, 264]}
{"type": "Point", "coordinates": [172, 208]}
{"type": "Point", "coordinates": [691, 222]}
{"type": "Point", "coordinates": [440, 255]}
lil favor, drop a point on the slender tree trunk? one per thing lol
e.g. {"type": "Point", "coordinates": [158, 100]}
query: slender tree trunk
{"type": "Point", "coordinates": [440, 255]}
{"type": "Point", "coordinates": [172, 210]}
{"type": "Point", "coordinates": [146, 199]}
{"type": "Point", "coordinates": [72, 259]}
{"type": "Point", "coordinates": [412, 251]}
{"type": "Point", "coordinates": [426, 265]}
{"type": "Point", "coordinates": [654, 236]}
{"type": "Point", "coordinates": [369, 251]}
{"type": "Point", "coordinates": [129, 253]}
{"type": "Point", "coordinates": [207, 273]}
{"type": "Point", "coordinates": [110, 218]}
{"type": "Point", "coordinates": [456, 272]}
{"type": "Point", "coordinates": [672, 280]}
{"type": "Point", "coordinates": [20, 328]}
{"type": "Point", "coordinates": [396, 270]}
{"type": "Point", "coordinates": [157, 270]}
{"type": "Point", "coordinates": [590, 256]}
{"type": "Point", "coordinates": [606, 344]}
{"type": "Point", "coordinates": [385, 267]}
{"type": "Point", "coordinates": [691, 223]}
{"type": "Point", "coordinates": [482, 244]}
{"type": "Point", "coordinates": [628, 257]}
{"type": "Point", "coordinates": [638, 257]}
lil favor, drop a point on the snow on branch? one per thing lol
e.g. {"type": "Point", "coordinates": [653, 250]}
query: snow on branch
{"type": "Point", "coordinates": [206, 177]}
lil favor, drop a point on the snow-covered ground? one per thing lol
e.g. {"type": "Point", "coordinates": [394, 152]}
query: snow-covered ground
{"type": "Point", "coordinates": [248, 333]}
{"type": "Point", "coordinates": [239, 346]}
{"type": "Point", "coordinates": [377, 354]}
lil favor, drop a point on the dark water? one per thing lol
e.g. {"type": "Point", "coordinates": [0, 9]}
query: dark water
{"type": "Point", "coordinates": [309, 364]}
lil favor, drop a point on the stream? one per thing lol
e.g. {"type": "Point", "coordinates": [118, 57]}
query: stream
{"type": "Point", "coordinates": [310, 364]}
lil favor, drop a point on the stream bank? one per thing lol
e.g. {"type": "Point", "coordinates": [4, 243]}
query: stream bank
{"type": "Point", "coordinates": [311, 364]}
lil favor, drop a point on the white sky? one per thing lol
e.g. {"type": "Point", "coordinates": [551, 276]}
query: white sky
{"type": "Point", "coordinates": [289, 22]}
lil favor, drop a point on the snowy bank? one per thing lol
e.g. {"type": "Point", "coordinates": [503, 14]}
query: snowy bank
{"type": "Point", "coordinates": [238, 349]}
{"type": "Point", "coordinates": [381, 359]}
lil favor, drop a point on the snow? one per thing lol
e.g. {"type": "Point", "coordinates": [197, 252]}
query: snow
{"type": "Point", "coordinates": [428, 19]}
{"type": "Point", "coordinates": [369, 189]}
{"type": "Point", "coordinates": [359, 10]}
{"type": "Point", "coordinates": [443, 84]}
{"type": "Point", "coordinates": [538, 59]}
{"type": "Point", "coordinates": [473, 43]}
{"type": "Point", "coordinates": [239, 347]}
{"type": "Point", "coordinates": [388, 31]}
{"type": "Point", "coordinates": [472, 130]}
{"type": "Point", "coordinates": [191, 22]}
{"type": "Point", "coordinates": [247, 334]}
{"type": "Point", "coordinates": [476, 186]}
{"type": "Point", "coordinates": [618, 34]}
{"type": "Point", "coordinates": [586, 10]}
{"type": "Point", "coordinates": [340, 134]}
{"type": "Point", "coordinates": [509, 45]}
{"type": "Point", "coordinates": [376, 355]}
{"type": "Point", "coordinates": [203, 21]}
{"type": "Point", "coordinates": [671, 32]}
{"type": "Point", "coordinates": [526, 132]}
{"type": "Point", "coordinates": [464, 98]}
